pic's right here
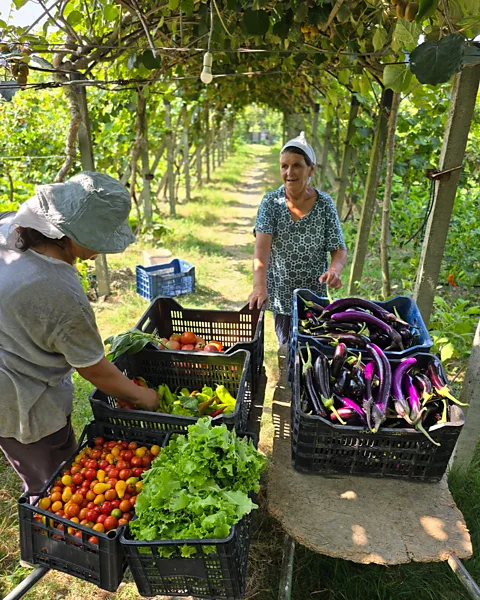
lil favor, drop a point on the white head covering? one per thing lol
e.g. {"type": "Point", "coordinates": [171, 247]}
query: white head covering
{"type": "Point", "coordinates": [301, 143]}
{"type": "Point", "coordinates": [28, 217]}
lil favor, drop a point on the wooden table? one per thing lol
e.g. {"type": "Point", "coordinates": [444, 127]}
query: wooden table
{"type": "Point", "coordinates": [362, 519]}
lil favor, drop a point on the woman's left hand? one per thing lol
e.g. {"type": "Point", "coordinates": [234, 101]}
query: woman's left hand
{"type": "Point", "coordinates": [332, 278]}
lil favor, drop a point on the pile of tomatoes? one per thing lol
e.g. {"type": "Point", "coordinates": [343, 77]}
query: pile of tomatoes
{"type": "Point", "coordinates": [100, 488]}
{"type": "Point", "coordinates": [189, 341]}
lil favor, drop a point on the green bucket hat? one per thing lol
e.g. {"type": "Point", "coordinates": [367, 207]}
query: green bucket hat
{"type": "Point", "coordinates": [90, 208]}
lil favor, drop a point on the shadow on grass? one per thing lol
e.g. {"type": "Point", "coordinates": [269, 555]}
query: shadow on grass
{"type": "Point", "coordinates": [204, 293]}
{"type": "Point", "coordinates": [206, 247]}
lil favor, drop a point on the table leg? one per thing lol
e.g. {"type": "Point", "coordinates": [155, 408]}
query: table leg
{"type": "Point", "coordinates": [464, 577]}
{"type": "Point", "coordinates": [27, 584]}
{"type": "Point", "coordinates": [285, 589]}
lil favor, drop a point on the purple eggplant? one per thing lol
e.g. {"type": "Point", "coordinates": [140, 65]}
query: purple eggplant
{"type": "Point", "coordinates": [416, 413]}
{"type": "Point", "coordinates": [382, 366]}
{"type": "Point", "coordinates": [371, 321]}
{"type": "Point", "coordinates": [338, 359]}
{"type": "Point", "coordinates": [401, 405]}
{"type": "Point", "coordinates": [378, 311]}
{"type": "Point", "coordinates": [424, 386]}
{"type": "Point", "coordinates": [348, 414]}
{"type": "Point", "coordinates": [367, 402]}
{"type": "Point", "coordinates": [435, 372]}
{"type": "Point", "coordinates": [321, 373]}
{"type": "Point", "coordinates": [312, 318]}
{"type": "Point", "coordinates": [316, 308]}
{"type": "Point", "coordinates": [339, 327]}
{"type": "Point", "coordinates": [340, 381]}
{"type": "Point", "coordinates": [309, 384]}
{"type": "Point", "coordinates": [348, 403]}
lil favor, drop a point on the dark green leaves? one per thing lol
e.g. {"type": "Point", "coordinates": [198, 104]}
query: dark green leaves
{"type": "Point", "coordinates": [75, 17]}
{"type": "Point", "coordinates": [19, 3]}
{"type": "Point", "coordinates": [436, 62]}
{"type": "Point", "coordinates": [129, 342]}
{"type": "Point", "coordinates": [256, 22]}
{"type": "Point", "coordinates": [149, 61]}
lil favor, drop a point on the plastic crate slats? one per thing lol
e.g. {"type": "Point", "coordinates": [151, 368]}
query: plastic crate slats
{"type": "Point", "coordinates": [172, 279]}
{"type": "Point", "coordinates": [321, 447]}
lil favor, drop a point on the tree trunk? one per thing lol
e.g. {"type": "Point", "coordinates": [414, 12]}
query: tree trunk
{"type": "Point", "coordinates": [198, 155]}
{"type": "Point", "coordinates": [315, 142]}
{"type": "Point", "coordinates": [88, 164]}
{"type": "Point", "coordinates": [213, 143]}
{"type": "Point", "coordinates": [369, 199]}
{"type": "Point", "coordinates": [324, 154]}
{"type": "Point", "coordinates": [462, 106]}
{"type": "Point", "coordinates": [207, 141]}
{"type": "Point", "coordinates": [170, 158]}
{"type": "Point", "coordinates": [141, 142]}
{"type": "Point", "coordinates": [73, 98]}
{"type": "Point", "coordinates": [385, 236]}
{"type": "Point", "coordinates": [186, 163]}
{"type": "Point", "coordinates": [347, 155]}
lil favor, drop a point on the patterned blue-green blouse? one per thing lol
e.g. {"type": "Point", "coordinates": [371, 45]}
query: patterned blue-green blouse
{"type": "Point", "coordinates": [300, 250]}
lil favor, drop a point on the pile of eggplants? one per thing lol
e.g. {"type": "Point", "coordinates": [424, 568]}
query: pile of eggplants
{"type": "Point", "coordinates": [357, 322]}
{"type": "Point", "coordinates": [347, 390]}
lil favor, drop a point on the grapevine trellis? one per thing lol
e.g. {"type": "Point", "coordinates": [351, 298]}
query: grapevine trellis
{"type": "Point", "coordinates": [292, 56]}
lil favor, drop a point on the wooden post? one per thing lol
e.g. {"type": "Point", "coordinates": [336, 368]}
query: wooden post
{"type": "Point", "coordinates": [370, 195]}
{"type": "Point", "coordinates": [186, 163]}
{"type": "Point", "coordinates": [470, 394]}
{"type": "Point", "coordinates": [347, 155]}
{"type": "Point", "coordinates": [385, 235]}
{"type": "Point", "coordinates": [207, 141]}
{"type": "Point", "coordinates": [315, 142]}
{"type": "Point", "coordinates": [142, 133]}
{"type": "Point", "coordinates": [462, 106]}
{"type": "Point", "coordinates": [88, 164]}
{"type": "Point", "coordinates": [213, 143]}
{"type": "Point", "coordinates": [170, 158]}
{"type": "Point", "coordinates": [198, 156]}
{"type": "Point", "coordinates": [324, 155]}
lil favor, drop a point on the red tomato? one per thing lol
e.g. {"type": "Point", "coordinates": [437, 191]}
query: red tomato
{"type": "Point", "coordinates": [91, 504]}
{"type": "Point", "coordinates": [92, 464]}
{"type": "Point", "coordinates": [113, 473]}
{"type": "Point", "coordinates": [78, 479]}
{"type": "Point", "coordinates": [93, 540]}
{"type": "Point", "coordinates": [132, 446]}
{"type": "Point", "coordinates": [96, 454]}
{"type": "Point", "coordinates": [137, 472]}
{"type": "Point", "coordinates": [124, 445]}
{"type": "Point", "coordinates": [110, 495]}
{"type": "Point", "coordinates": [93, 514]}
{"type": "Point", "coordinates": [210, 348]}
{"type": "Point", "coordinates": [110, 523]}
{"type": "Point", "coordinates": [106, 508]}
{"type": "Point", "coordinates": [188, 338]}
{"type": "Point", "coordinates": [90, 495]}
{"type": "Point", "coordinates": [121, 464]}
{"type": "Point", "coordinates": [78, 534]}
{"type": "Point", "coordinates": [103, 464]}
{"type": "Point", "coordinates": [76, 469]}
{"type": "Point", "coordinates": [125, 474]}
{"type": "Point", "coordinates": [115, 503]}
{"type": "Point", "coordinates": [83, 461]}
{"type": "Point", "coordinates": [122, 521]}
{"type": "Point", "coordinates": [146, 461]}
{"type": "Point", "coordinates": [126, 455]}
{"type": "Point", "coordinates": [110, 444]}
{"type": "Point", "coordinates": [90, 474]}
{"type": "Point", "coordinates": [136, 461]}
{"type": "Point", "coordinates": [175, 337]}
{"type": "Point", "coordinates": [127, 516]}
{"type": "Point", "coordinates": [188, 347]}
{"type": "Point", "coordinates": [112, 481]}
{"type": "Point", "coordinates": [219, 345]}
{"type": "Point", "coordinates": [72, 510]}
{"type": "Point", "coordinates": [125, 506]}
{"type": "Point", "coordinates": [133, 499]}
{"type": "Point", "coordinates": [101, 518]}
{"type": "Point", "coordinates": [99, 441]}
{"type": "Point", "coordinates": [83, 513]}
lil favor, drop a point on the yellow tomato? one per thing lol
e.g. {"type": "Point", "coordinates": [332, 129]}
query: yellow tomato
{"type": "Point", "coordinates": [155, 450]}
{"type": "Point", "coordinates": [67, 480]}
{"type": "Point", "coordinates": [44, 503]}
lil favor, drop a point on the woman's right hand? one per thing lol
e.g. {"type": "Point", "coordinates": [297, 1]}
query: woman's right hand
{"type": "Point", "coordinates": [147, 399]}
{"type": "Point", "coordinates": [258, 296]}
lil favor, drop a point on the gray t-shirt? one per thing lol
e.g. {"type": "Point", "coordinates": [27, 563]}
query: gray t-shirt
{"type": "Point", "coordinates": [46, 327]}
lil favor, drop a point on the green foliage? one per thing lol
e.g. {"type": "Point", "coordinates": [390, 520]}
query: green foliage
{"type": "Point", "coordinates": [436, 62]}
{"type": "Point", "coordinates": [452, 326]}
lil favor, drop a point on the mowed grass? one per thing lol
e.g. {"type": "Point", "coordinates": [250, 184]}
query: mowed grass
{"type": "Point", "coordinates": [214, 232]}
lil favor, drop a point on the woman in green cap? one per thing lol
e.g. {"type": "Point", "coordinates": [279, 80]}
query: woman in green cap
{"type": "Point", "coordinates": [47, 327]}
{"type": "Point", "coordinates": [297, 226]}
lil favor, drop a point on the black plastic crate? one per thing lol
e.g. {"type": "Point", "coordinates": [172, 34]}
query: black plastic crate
{"type": "Point", "coordinates": [320, 447]}
{"type": "Point", "coordinates": [406, 307]}
{"type": "Point", "coordinates": [236, 330]}
{"type": "Point", "coordinates": [217, 570]}
{"type": "Point", "coordinates": [179, 369]}
{"type": "Point", "coordinates": [46, 545]}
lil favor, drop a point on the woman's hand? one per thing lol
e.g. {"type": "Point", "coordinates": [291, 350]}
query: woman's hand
{"type": "Point", "coordinates": [258, 296]}
{"type": "Point", "coordinates": [147, 399]}
{"type": "Point", "coordinates": [332, 278]}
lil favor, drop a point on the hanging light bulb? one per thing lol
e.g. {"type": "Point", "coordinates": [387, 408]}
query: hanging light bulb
{"type": "Point", "coordinates": [206, 74]}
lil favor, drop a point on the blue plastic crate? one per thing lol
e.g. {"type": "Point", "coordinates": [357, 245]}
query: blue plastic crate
{"type": "Point", "coordinates": [406, 307]}
{"type": "Point", "coordinates": [173, 279]}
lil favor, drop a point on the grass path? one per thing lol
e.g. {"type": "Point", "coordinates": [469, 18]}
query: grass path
{"type": "Point", "coordinates": [214, 232]}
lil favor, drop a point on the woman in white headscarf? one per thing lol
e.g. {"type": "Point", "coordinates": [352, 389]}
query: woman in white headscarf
{"type": "Point", "coordinates": [297, 227]}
